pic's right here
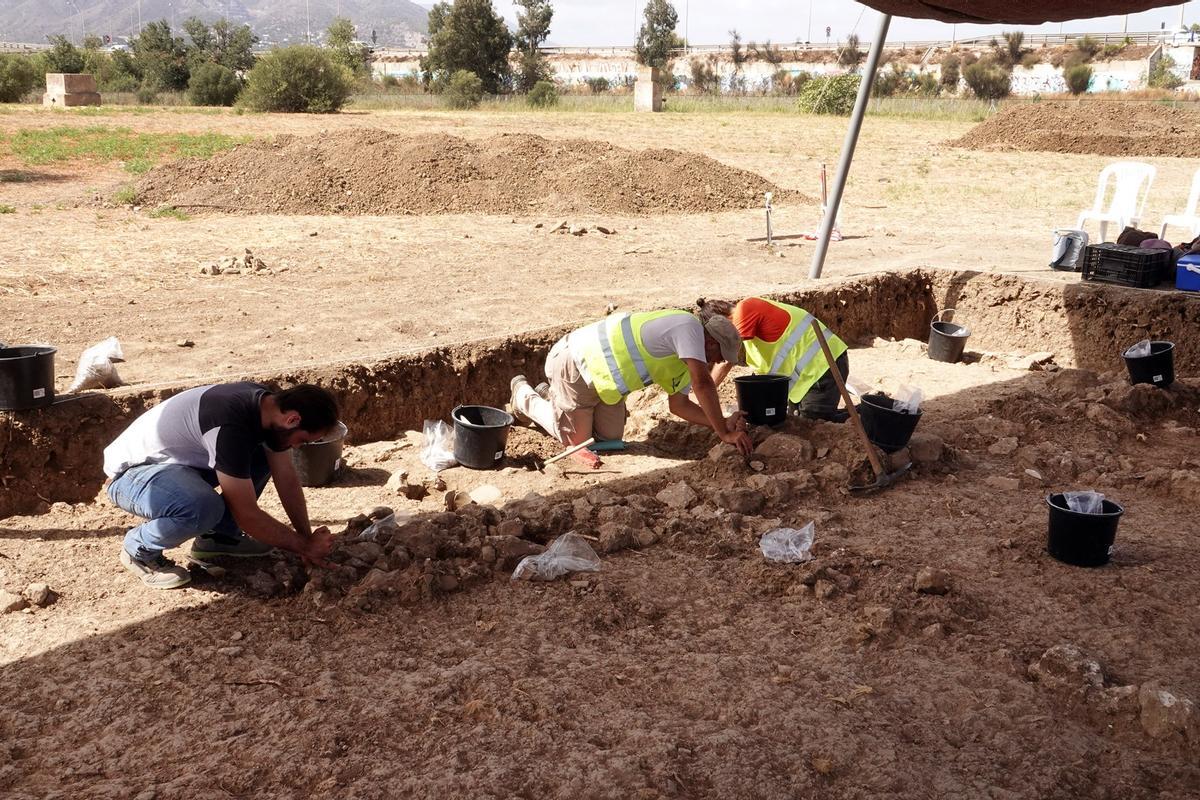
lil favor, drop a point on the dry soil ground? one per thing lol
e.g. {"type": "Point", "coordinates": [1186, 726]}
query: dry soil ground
{"type": "Point", "coordinates": [687, 667]}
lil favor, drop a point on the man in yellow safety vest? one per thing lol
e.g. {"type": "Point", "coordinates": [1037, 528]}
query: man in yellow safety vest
{"type": "Point", "coordinates": [592, 370]}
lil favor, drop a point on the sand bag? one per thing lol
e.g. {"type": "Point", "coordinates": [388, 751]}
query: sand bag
{"type": "Point", "coordinates": [569, 553]}
{"type": "Point", "coordinates": [97, 368]}
{"type": "Point", "coordinates": [788, 545]}
{"type": "Point", "coordinates": [1085, 502]}
{"type": "Point", "coordinates": [437, 452]}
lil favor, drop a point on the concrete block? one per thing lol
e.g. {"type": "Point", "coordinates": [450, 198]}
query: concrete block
{"type": "Point", "coordinates": [647, 93]}
{"type": "Point", "coordinates": [69, 83]}
{"type": "Point", "coordinates": [71, 100]}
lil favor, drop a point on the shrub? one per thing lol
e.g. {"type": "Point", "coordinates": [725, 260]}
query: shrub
{"type": "Point", "coordinates": [213, 85]}
{"type": "Point", "coordinates": [1089, 47]}
{"type": "Point", "coordinates": [1160, 75]}
{"type": "Point", "coordinates": [890, 82]}
{"type": "Point", "coordinates": [597, 85]}
{"type": "Point", "coordinates": [147, 93]}
{"type": "Point", "coordinates": [851, 55]}
{"type": "Point", "coordinates": [830, 94]}
{"type": "Point", "coordinates": [988, 81]}
{"type": "Point", "coordinates": [1078, 78]}
{"type": "Point", "coordinates": [927, 85]}
{"type": "Point", "coordinates": [705, 79]}
{"type": "Point", "coordinates": [950, 72]}
{"type": "Point", "coordinates": [18, 77]}
{"type": "Point", "coordinates": [390, 81]}
{"type": "Point", "coordinates": [785, 83]}
{"type": "Point", "coordinates": [297, 79]}
{"type": "Point", "coordinates": [543, 94]}
{"type": "Point", "coordinates": [464, 90]}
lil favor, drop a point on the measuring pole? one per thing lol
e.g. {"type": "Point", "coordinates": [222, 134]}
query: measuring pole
{"type": "Point", "coordinates": [856, 120]}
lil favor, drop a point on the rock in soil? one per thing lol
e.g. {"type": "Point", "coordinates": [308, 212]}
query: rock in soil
{"type": "Point", "coordinates": [678, 495]}
{"type": "Point", "coordinates": [40, 594]}
{"type": "Point", "coordinates": [1167, 713]}
{"type": "Point", "coordinates": [932, 581]}
{"type": "Point", "coordinates": [1065, 666]}
{"type": "Point", "coordinates": [10, 602]}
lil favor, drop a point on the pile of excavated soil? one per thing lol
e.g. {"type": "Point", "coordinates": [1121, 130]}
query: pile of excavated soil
{"type": "Point", "coordinates": [1098, 128]}
{"type": "Point", "coordinates": [374, 172]}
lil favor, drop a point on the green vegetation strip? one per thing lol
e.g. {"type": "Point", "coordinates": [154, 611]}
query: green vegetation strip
{"type": "Point", "coordinates": [139, 151]}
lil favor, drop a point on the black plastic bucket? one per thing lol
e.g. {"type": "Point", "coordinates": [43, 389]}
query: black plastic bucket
{"type": "Point", "coordinates": [317, 462]}
{"type": "Point", "coordinates": [26, 377]}
{"type": "Point", "coordinates": [1084, 540]}
{"type": "Point", "coordinates": [1157, 369]}
{"type": "Point", "coordinates": [763, 398]}
{"type": "Point", "coordinates": [947, 339]}
{"type": "Point", "coordinates": [887, 429]}
{"type": "Point", "coordinates": [480, 435]}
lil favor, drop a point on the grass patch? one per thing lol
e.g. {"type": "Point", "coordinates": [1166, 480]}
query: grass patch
{"type": "Point", "coordinates": [169, 212]}
{"type": "Point", "coordinates": [139, 151]}
{"type": "Point", "coordinates": [125, 196]}
{"type": "Point", "coordinates": [7, 210]}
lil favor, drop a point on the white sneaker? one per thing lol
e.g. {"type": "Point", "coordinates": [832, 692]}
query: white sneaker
{"type": "Point", "coordinates": [161, 573]}
{"type": "Point", "coordinates": [516, 383]}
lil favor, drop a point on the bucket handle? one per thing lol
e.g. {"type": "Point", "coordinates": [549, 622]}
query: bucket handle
{"type": "Point", "coordinates": [939, 314]}
{"type": "Point", "coordinates": [1192, 268]}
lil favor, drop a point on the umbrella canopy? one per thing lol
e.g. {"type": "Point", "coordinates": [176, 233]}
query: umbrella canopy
{"type": "Point", "coordinates": [1012, 12]}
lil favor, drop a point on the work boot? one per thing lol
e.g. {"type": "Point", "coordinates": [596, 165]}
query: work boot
{"type": "Point", "coordinates": [516, 383]}
{"type": "Point", "coordinates": [210, 545]}
{"type": "Point", "coordinates": [159, 572]}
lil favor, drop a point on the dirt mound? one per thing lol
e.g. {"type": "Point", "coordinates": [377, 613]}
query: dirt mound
{"type": "Point", "coordinates": [374, 172]}
{"type": "Point", "coordinates": [1099, 128]}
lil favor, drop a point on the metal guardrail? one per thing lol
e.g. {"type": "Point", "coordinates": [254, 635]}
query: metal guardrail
{"type": "Point", "coordinates": [22, 47]}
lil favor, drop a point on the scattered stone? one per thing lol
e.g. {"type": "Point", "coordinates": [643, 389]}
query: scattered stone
{"type": "Point", "coordinates": [926, 448]}
{"type": "Point", "coordinates": [1032, 361]}
{"type": "Point", "coordinates": [262, 583]}
{"type": "Point", "coordinates": [1005, 446]}
{"type": "Point", "coordinates": [578, 230]}
{"type": "Point", "coordinates": [40, 594]}
{"type": "Point", "coordinates": [786, 446]}
{"type": "Point", "coordinates": [602, 497]}
{"type": "Point", "coordinates": [721, 451]}
{"type": "Point", "coordinates": [741, 501]}
{"type": "Point", "coordinates": [1107, 418]}
{"type": "Point", "coordinates": [614, 536]}
{"type": "Point", "coordinates": [757, 466]}
{"type": "Point", "coordinates": [824, 589]}
{"type": "Point", "coordinates": [605, 231]}
{"type": "Point", "coordinates": [439, 483]}
{"type": "Point", "coordinates": [1033, 473]}
{"type": "Point", "coordinates": [510, 550]}
{"type": "Point", "coordinates": [511, 527]}
{"type": "Point", "coordinates": [645, 538]}
{"type": "Point", "coordinates": [932, 581]}
{"type": "Point", "coordinates": [678, 495]}
{"type": "Point", "coordinates": [379, 512]}
{"type": "Point", "coordinates": [185, 343]}
{"type": "Point", "coordinates": [561, 227]}
{"type": "Point", "coordinates": [231, 651]}
{"type": "Point", "coordinates": [10, 602]}
{"type": "Point", "coordinates": [1118, 700]}
{"type": "Point", "coordinates": [1166, 713]}
{"type": "Point", "coordinates": [1065, 666]}
{"type": "Point", "coordinates": [935, 631]}
{"type": "Point", "coordinates": [486, 495]}
{"type": "Point", "coordinates": [897, 460]}
{"type": "Point", "coordinates": [1003, 484]}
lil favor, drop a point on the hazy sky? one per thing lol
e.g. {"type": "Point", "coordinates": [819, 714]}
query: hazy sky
{"type": "Point", "coordinates": [612, 22]}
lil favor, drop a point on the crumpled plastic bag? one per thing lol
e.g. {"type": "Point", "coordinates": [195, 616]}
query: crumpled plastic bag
{"type": "Point", "coordinates": [96, 368]}
{"type": "Point", "coordinates": [437, 451]}
{"type": "Point", "coordinates": [856, 387]}
{"type": "Point", "coordinates": [1139, 350]}
{"type": "Point", "coordinates": [1085, 502]}
{"type": "Point", "coordinates": [908, 399]}
{"type": "Point", "coordinates": [568, 553]}
{"type": "Point", "coordinates": [788, 545]}
{"type": "Point", "coordinates": [387, 524]}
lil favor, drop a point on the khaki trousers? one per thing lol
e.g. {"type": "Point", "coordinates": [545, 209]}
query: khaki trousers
{"type": "Point", "coordinates": [574, 412]}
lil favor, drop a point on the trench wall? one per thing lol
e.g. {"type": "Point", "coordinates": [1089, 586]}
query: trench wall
{"type": "Point", "coordinates": [55, 454]}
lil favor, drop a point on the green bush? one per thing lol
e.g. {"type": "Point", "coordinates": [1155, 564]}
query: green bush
{"type": "Point", "coordinates": [951, 72]}
{"type": "Point", "coordinates": [147, 93]}
{"type": "Point", "coordinates": [213, 85]}
{"type": "Point", "coordinates": [830, 94]}
{"type": "Point", "coordinates": [1160, 75]}
{"type": "Point", "coordinates": [597, 85]}
{"type": "Point", "coordinates": [464, 90]}
{"type": "Point", "coordinates": [543, 94]}
{"type": "Point", "coordinates": [297, 79]}
{"type": "Point", "coordinates": [18, 77]}
{"type": "Point", "coordinates": [1078, 78]}
{"type": "Point", "coordinates": [988, 81]}
{"type": "Point", "coordinates": [390, 81]}
{"type": "Point", "coordinates": [1089, 47]}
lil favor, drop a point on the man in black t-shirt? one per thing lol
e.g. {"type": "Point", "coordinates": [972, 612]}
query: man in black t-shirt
{"type": "Point", "coordinates": [168, 465]}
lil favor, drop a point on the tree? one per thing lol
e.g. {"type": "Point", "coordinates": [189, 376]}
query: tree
{"type": "Point", "coordinates": [950, 72]}
{"type": "Point", "coordinates": [297, 79]}
{"type": "Point", "coordinates": [988, 80]}
{"type": "Point", "coordinates": [341, 38]}
{"type": "Point", "coordinates": [851, 55]}
{"type": "Point", "coordinates": [18, 76]}
{"type": "Point", "coordinates": [1012, 51]}
{"type": "Point", "coordinates": [533, 27]}
{"type": "Point", "coordinates": [705, 79]}
{"type": "Point", "coordinates": [469, 36]}
{"type": "Point", "coordinates": [62, 56]}
{"type": "Point", "coordinates": [213, 85]}
{"type": "Point", "coordinates": [657, 36]}
{"type": "Point", "coordinates": [161, 57]}
{"type": "Point", "coordinates": [1078, 78]}
{"type": "Point", "coordinates": [1162, 75]}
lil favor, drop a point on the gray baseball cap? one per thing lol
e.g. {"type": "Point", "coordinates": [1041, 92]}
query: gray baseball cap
{"type": "Point", "coordinates": [721, 329]}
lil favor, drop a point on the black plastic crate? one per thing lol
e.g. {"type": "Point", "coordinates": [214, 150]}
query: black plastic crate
{"type": "Point", "coordinates": [1126, 265]}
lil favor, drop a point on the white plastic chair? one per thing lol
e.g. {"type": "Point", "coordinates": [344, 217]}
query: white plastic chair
{"type": "Point", "coordinates": [1128, 196]}
{"type": "Point", "coordinates": [1188, 218]}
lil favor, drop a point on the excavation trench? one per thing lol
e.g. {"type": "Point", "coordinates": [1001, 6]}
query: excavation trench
{"type": "Point", "coordinates": [55, 454]}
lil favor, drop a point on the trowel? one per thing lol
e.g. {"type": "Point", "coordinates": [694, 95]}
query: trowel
{"type": "Point", "coordinates": [883, 478]}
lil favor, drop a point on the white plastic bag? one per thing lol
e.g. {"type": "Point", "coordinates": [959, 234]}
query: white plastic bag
{"type": "Point", "coordinates": [1085, 502]}
{"type": "Point", "coordinates": [96, 370]}
{"type": "Point", "coordinates": [856, 387]}
{"type": "Point", "coordinates": [568, 553]}
{"type": "Point", "coordinates": [788, 545]}
{"type": "Point", "coordinates": [386, 524]}
{"type": "Point", "coordinates": [908, 399]}
{"type": "Point", "coordinates": [437, 451]}
{"type": "Point", "coordinates": [1139, 350]}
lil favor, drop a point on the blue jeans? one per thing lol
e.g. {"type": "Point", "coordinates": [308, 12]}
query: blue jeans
{"type": "Point", "coordinates": [179, 502]}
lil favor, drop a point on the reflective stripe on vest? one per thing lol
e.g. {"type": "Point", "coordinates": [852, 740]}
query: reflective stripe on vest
{"type": "Point", "coordinates": [618, 363]}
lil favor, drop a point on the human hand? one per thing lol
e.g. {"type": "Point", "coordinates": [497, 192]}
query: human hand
{"type": "Point", "coordinates": [736, 422]}
{"type": "Point", "coordinates": [317, 547]}
{"type": "Point", "coordinates": [740, 440]}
